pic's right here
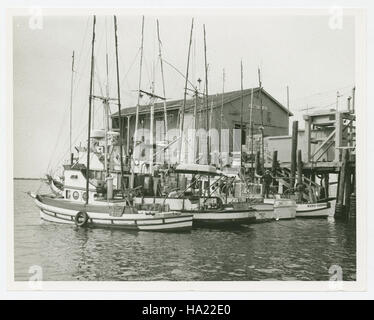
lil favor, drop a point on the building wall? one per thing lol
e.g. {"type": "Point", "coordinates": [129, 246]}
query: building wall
{"type": "Point", "coordinates": [275, 122]}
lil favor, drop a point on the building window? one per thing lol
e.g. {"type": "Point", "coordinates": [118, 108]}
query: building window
{"type": "Point", "coordinates": [269, 117]}
{"type": "Point", "coordinates": [115, 123]}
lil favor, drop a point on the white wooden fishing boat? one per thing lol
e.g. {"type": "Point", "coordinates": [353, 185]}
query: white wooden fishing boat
{"type": "Point", "coordinates": [205, 211]}
{"type": "Point", "coordinates": [277, 209]}
{"type": "Point", "coordinates": [89, 197]}
{"type": "Point", "coordinates": [110, 211]}
{"type": "Point", "coordinates": [313, 210]}
{"type": "Point", "coordinates": [309, 210]}
{"type": "Point", "coordinates": [110, 214]}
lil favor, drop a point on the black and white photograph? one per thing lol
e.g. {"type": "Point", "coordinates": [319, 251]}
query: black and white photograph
{"type": "Point", "coordinates": [194, 148]}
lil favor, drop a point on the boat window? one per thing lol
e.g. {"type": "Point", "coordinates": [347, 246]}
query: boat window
{"type": "Point", "coordinates": [67, 194]}
{"type": "Point", "coordinates": [84, 196]}
{"type": "Point", "coordinates": [98, 175]}
{"type": "Point", "coordinates": [76, 195]}
{"type": "Point", "coordinates": [74, 176]}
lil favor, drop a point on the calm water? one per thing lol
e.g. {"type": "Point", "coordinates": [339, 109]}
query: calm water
{"type": "Point", "coordinates": [283, 250]}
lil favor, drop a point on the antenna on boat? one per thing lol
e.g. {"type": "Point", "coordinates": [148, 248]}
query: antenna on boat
{"type": "Point", "coordinates": [163, 86]}
{"type": "Point", "coordinates": [185, 95]}
{"type": "Point", "coordinates": [119, 102]}
{"type": "Point", "coordinates": [89, 110]}
{"type": "Point", "coordinates": [138, 103]}
{"type": "Point", "coordinates": [71, 108]}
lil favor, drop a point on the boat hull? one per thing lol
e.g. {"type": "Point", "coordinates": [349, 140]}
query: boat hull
{"type": "Point", "coordinates": [280, 210]}
{"type": "Point", "coordinates": [223, 218]}
{"type": "Point", "coordinates": [313, 210]}
{"type": "Point", "coordinates": [205, 217]}
{"type": "Point", "coordinates": [61, 211]}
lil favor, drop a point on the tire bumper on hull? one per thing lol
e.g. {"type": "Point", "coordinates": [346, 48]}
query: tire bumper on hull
{"type": "Point", "coordinates": [160, 223]}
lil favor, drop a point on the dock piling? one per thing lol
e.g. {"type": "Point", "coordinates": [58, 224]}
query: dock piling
{"type": "Point", "coordinates": [343, 186]}
{"type": "Point", "coordinates": [299, 174]}
{"type": "Point", "coordinates": [295, 125]}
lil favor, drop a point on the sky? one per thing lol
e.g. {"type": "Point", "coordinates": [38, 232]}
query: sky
{"type": "Point", "coordinates": [302, 52]}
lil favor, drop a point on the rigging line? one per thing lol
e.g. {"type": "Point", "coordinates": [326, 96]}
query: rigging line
{"type": "Point", "coordinates": [148, 72]}
{"type": "Point", "coordinates": [63, 154]}
{"type": "Point", "coordinates": [58, 138]}
{"type": "Point", "coordinates": [83, 42]}
{"type": "Point", "coordinates": [131, 66]}
{"type": "Point", "coordinates": [321, 93]}
{"type": "Point", "coordinates": [179, 72]}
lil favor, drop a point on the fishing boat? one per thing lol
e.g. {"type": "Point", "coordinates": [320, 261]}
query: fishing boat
{"type": "Point", "coordinates": [308, 210]}
{"type": "Point", "coordinates": [313, 210]}
{"type": "Point", "coordinates": [250, 195]}
{"type": "Point", "coordinates": [198, 199]}
{"type": "Point", "coordinates": [114, 214]}
{"type": "Point", "coordinates": [90, 202]}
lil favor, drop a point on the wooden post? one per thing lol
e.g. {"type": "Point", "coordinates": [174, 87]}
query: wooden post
{"type": "Point", "coordinates": [293, 153]}
{"type": "Point", "coordinates": [347, 192]}
{"type": "Point", "coordinates": [308, 136]}
{"type": "Point", "coordinates": [275, 165]}
{"type": "Point", "coordinates": [339, 208]}
{"type": "Point", "coordinates": [338, 134]}
{"type": "Point", "coordinates": [299, 173]}
{"type": "Point", "coordinates": [327, 185]}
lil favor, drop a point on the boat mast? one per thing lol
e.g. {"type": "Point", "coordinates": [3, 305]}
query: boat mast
{"type": "Point", "coordinates": [163, 87]}
{"type": "Point", "coordinates": [152, 115]}
{"type": "Point", "coordinates": [106, 103]}
{"type": "Point", "coordinates": [89, 111]}
{"type": "Point", "coordinates": [251, 123]}
{"type": "Point", "coordinates": [119, 102]}
{"type": "Point", "coordinates": [241, 117]}
{"type": "Point", "coordinates": [71, 109]}
{"type": "Point", "coordinates": [207, 107]}
{"type": "Point", "coordinates": [221, 118]}
{"type": "Point", "coordinates": [138, 103]}
{"type": "Point", "coordinates": [262, 122]}
{"type": "Point", "coordinates": [185, 95]}
{"type": "Point", "coordinates": [206, 97]}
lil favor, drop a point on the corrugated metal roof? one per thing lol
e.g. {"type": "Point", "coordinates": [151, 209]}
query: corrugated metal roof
{"type": "Point", "coordinates": [215, 98]}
